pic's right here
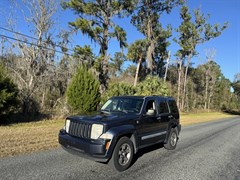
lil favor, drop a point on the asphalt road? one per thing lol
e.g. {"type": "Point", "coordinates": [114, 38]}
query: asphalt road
{"type": "Point", "coordinates": [205, 151]}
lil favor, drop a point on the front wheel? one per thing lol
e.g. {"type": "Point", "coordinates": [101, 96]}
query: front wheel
{"type": "Point", "coordinates": [172, 140]}
{"type": "Point", "coordinates": [122, 155]}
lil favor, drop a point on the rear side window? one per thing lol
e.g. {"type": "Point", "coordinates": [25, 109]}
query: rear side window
{"type": "Point", "coordinates": [163, 107]}
{"type": "Point", "coordinates": [173, 106]}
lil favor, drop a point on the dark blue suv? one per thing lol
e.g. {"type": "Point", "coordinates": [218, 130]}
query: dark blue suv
{"type": "Point", "coordinates": [124, 125]}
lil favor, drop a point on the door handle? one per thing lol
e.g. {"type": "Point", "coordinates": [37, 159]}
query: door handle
{"type": "Point", "coordinates": [159, 118]}
{"type": "Point", "coordinates": [170, 116]}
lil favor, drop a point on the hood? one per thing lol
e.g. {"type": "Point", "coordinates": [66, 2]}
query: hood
{"type": "Point", "coordinates": [104, 118]}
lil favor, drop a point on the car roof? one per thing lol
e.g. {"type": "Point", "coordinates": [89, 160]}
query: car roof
{"type": "Point", "coordinates": [143, 97]}
{"type": "Point", "coordinates": [125, 96]}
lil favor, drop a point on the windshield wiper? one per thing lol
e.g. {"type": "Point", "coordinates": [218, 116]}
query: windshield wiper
{"type": "Point", "coordinates": [123, 111]}
{"type": "Point", "coordinates": [105, 111]}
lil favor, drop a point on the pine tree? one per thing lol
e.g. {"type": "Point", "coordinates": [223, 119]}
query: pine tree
{"type": "Point", "coordinates": [137, 53]}
{"type": "Point", "coordinates": [96, 21]}
{"type": "Point", "coordinates": [83, 92]}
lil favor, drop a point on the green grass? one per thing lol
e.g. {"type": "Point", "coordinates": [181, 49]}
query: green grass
{"type": "Point", "coordinates": [23, 138]}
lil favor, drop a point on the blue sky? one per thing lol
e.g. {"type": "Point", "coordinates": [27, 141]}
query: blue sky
{"type": "Point", "coordinates": [227, 45]}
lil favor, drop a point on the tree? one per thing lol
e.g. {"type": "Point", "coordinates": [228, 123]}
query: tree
{"type": "Point", "coordinates": [83, 91]}
{"type": "Point", "coordinates": [161, 53]}
{"type": "Point", "coordinates": [192, 33]}
{"type": "Point", "coordinates": [137, 53]}
{"type": "Point", "coordinates": [95, 21]}
{"type": "Point", "coordinates": [212, 73]}
{"type": "Point", "coordinates": [84, 55]}
{"type": "Point", "coordinates": [116, 63]}
{"type": "Point", "coordinates": [33, 69]}
{"type": "Point", "coordinates": [236, 84]}
{"type": "Point", "coordinates": [8, 93]}
{"type": "Point", "coordinates": [118, 89]}
{"type": "Point", "coordinates": [152, 85]}
{"type": "Point", "coordinates": [221, 94]}
{"type": "Point", "coordinates": [146, 20]}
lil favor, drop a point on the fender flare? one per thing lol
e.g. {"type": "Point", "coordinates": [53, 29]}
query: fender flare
{"type": "Point", "coordinates": [172, 124]}
{"type": "Point", "coordinates": [120, 131]}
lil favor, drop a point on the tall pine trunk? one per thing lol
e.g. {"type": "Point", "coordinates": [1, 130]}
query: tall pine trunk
{"type": "Point", "coordinates": [179, 82]}
{"type": "Point", "coordinates": [137, 72]}
{"type": "Point", "coordinates": [151, 47]}
{"type": "Point", "coordinates": [166, 70]}
{"type": "Point", "coordinates": [185, 82]}
{"type": "Point", "coordinates": [103, 75]}
{"type": "Point", "coordinates": [206, 89]}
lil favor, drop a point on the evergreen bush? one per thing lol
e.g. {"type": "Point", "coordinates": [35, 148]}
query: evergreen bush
{"type": "Point", "coordinates": [8, 93]}
{"type": "Point", "coordinates": [83, 91]}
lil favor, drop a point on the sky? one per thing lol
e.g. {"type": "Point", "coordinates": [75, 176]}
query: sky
{"type": "Point", "coordinates": [227, 46]}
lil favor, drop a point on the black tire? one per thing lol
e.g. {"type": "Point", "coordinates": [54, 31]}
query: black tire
{"type": "Point", "coordinates": [172, 139]}
{"type": "Point", "coordinates": [122, 155]}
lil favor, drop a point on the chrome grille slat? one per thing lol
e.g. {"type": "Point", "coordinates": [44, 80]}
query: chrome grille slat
{"type": "Point", "coordinates": [80, 129]}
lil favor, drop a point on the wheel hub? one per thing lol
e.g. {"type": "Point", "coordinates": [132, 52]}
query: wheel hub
{"type": "Point", "coordinates": [124, 154]}
{"type": "Point", "coordinates": [173, 139]}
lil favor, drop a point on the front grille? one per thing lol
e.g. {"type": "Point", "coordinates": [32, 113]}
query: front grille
{"type": "Point", "coordinates": [80, 129]}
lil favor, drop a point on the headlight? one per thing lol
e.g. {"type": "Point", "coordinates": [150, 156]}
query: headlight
{"type": "Point", "coordinates": [67, 125]}
{"type": "Point", "coordinates": [97, 130]}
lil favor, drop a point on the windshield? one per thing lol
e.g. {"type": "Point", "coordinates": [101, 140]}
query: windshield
{"type": "Point", "coordinates": [126, 105]}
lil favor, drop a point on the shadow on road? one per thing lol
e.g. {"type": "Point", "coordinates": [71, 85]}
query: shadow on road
{"type": "Point", "coordinates": [146, 150]}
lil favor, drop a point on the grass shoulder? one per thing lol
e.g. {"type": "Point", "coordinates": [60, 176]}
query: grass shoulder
{"type": "Point", "coordinates": [23, 138]}
{"type": "Point", "coordinates": [194, 118]}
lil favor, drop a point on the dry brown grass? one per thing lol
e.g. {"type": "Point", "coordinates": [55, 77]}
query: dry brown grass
{"type": "Point", "coordinates": [24, 138]}
{"type": "Point", "coordinates": [29, 137]}
{"type": "Point", "coordinates": [194, 118]}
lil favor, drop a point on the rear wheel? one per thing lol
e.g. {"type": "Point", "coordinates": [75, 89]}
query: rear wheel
{"type": "Point", "coordinates": [172, 139]}
{"type": "Point", "coordinates": [122, 154]}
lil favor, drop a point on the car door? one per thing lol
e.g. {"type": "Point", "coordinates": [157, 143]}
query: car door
{"type": "Point", "coordinates": [164, 116]}
{"type": "Point", "coordinates": [149, 126]}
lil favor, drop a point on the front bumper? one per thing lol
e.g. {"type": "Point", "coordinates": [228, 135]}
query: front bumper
{"type": "Point", "coordinates": [87, 148]}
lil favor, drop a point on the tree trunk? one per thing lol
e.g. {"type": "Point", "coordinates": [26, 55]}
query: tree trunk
{"type": "Point", "coordinates": [103, 74]}
{"type": "Point", "coordinates": [151, 47]}
{"type": "Point", "coordinates": [137, 72]}
{"type": "Point", "coordinates": [43, 101]}
{"type": "Point", "coordinates": [168, 60]}
{"type": "Point", "coordinates": [206, 89]}
{"type": "Point", "coordinates": [179, 82]}
{"type": "Point", "coordinates": [185, 82]}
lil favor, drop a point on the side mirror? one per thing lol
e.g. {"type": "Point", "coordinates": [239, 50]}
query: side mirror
{"type": "Point", "coordinates": [150, 112]}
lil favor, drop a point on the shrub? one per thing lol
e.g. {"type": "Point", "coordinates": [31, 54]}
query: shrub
{"type": "Point", "coordinates": [83, 91]}
{"type": "Point", "coordinates": [8, 93]}
{"type": "Point", "coordinates": [118, 89]}
{"type": "Point", "coordinates": [152, 85]}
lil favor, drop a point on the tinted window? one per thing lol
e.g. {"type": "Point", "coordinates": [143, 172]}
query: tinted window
{"type": "Point", "coordinates": [150, 105]}
{"type": "Point", "coordinates": [173, 106]}
{"type": "Point", "coordinates": [163, 107]}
